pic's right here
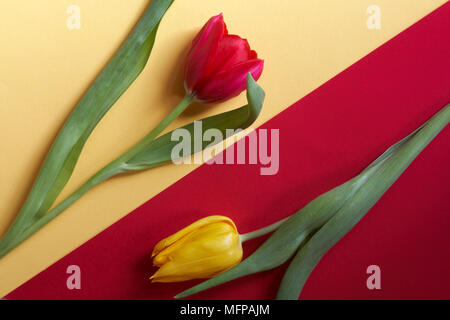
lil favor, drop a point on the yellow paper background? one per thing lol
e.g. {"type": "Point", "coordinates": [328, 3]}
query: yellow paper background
{"type": "Point", "coordinates": [45, 68]}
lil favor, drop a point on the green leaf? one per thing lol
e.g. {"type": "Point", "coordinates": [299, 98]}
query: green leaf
{"type": "Point", "coordinates": [286, 240]}
{"type": "Point", "coordinates": [154, 153]}
{"type": "Point", "coordinates": [111, 83]}
{"type": "Point", "coordinates": [158, 151]}
{"type": "Point", "coordinates": [386, 171]}
{"type": "Point", "coordinates": [309, 227]}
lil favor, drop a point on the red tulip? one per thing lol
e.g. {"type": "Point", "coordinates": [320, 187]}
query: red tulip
{"type": "Point", "coordinates": [218, 63]}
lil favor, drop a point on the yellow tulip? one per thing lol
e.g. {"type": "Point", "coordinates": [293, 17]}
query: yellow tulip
{"type": "Point", "coordinates": [201, 250]}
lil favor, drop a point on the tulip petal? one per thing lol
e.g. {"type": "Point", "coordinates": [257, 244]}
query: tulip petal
{"type": "Point", "coordinates": [232, 51]}
{"type": "Point", "coordinates": [203, 49]}
{"type": "Point", "coordinates": [229, 83]}
{"type": "Point", "coordinates": [199, 232]}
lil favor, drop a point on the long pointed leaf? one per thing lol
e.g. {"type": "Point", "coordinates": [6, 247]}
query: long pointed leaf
{"type": "Point", "coordinates": [395, 162]}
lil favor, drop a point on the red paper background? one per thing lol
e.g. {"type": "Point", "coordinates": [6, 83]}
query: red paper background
{"type": "Point", "coordinates": [326, 138]}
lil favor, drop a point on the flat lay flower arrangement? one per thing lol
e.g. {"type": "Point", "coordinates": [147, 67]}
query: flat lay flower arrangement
{"type": "Point", "coordinates": [218, 67]}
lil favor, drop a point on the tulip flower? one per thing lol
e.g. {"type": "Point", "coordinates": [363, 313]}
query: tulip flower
{"type": "Point", "coordinates": [217, 63]}
{"type": "Point", "coordinates": [203, 249]}
{"type": "Point", "coordinates": [219, 66]}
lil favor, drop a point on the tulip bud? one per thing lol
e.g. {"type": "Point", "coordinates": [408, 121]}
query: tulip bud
{"type": "Point", "coordinates": [203, 249]}
{"type": "Point", "coordinates": [217, 63]}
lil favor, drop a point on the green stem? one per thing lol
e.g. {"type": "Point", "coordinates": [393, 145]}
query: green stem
{"type": "Point", "coordinates": [10, 240]}
{"type": "Point", "coordinates": [263, 231]}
